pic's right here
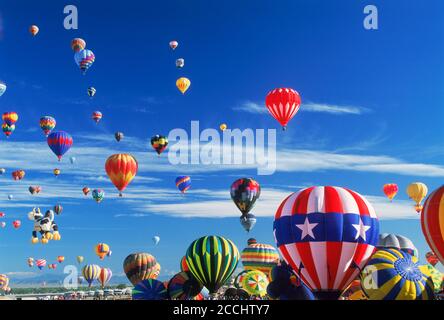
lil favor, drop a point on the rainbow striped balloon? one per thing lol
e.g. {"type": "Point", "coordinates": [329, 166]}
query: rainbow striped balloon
{"type": "Point", "coordinates": [261, 257]}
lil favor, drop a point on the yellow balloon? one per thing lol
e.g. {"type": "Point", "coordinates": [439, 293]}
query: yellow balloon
{"type": "Point", "coordinates": [417, 191]}
{"type": "Point", "coordinates": [223, 127]}
{"type": "Point", "coordinates": [183, 84]}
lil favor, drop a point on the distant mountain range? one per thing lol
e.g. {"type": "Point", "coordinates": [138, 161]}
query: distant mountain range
{"type": "Point", "coordinates": [56, 280]}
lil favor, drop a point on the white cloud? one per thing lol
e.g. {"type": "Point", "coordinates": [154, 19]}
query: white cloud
{"type": "Point", "coordinates": [333, 109]}
{"type": "Point", "coordinates": [252, 107]}
{"type": "Point", "coordinates": [266, 206]}
{"type": "Point", "coordinates": [260, 108]}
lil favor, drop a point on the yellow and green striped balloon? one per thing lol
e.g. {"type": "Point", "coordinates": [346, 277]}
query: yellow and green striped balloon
{"type": "Point", "coordinates": [212, 260]}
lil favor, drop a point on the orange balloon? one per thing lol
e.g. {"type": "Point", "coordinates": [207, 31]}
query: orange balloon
{"type": "Point", "coordinates": [121, 169]}
{"type": "Point", "coordinates": [34, 30]}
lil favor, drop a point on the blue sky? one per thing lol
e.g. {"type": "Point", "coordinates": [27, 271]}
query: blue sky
{"type": "Point", "coordinates": [371, 114]}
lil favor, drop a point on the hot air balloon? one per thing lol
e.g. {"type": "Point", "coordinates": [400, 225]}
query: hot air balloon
{"type": "Point", "coordinates": [255, 282]}
{"type": "Point", "coordinates": [394, 241]}
{"type": "Point", "coordinates": [119, 136]}
{"type": "Point", "coordinates": [72, 160]}
{"type": "Point", "coordinates": [283, 104]}
{"type": "Point", "coordinates": [84, 59]}
{"type": "Point", "coordinates": [223, 127]}
{"type": "Point", "coordinates": [91, 92]}
{"type": "Point", "coordinates": [417, 192]}
{"type": "Point", "coordinates": [16, 224]}
{"type": "Point", "coordinates": [105, 276]}
{"type": "Point", "coordinates": [58, 209]}
{"type": "Point", "coordinates": [2, 215]}
{"type": "Point", "coordinates": [79, 259]}
{"type": "Point", "coordinates": [150, 289]}
{"type": "Point", "coordinates": [18, 174]}
{"type": "Point", "coordinates": [4, 282]}
{"type": "Point", "coordinates": [56, 172]}
{"type": "Point", "coordinates": [2, 224]}
{"type": "Point", "coordinates": [121, 169]}
{"type": "Point", "coordinates": [183, 264]}
{"type": "Point", "coordinates": [10, 118]}
{"type": "Point", "coordinates": [390, 190]}
{"type": "Point", "coordinates": [258, 256]}
{"type": "Point", "coordinates": [139, 266]}
{"type": "Point", "coordinates": [97, 116]}
{"type": "Point", "coordinates": [98, 195]}
{"type": "Point", "coordinates": [326, 228]}
{"type": "Point", "coordinates": [10, 197]}
{"type": "Point", "coordinates": [60, 259]}
{"type": "Point", "coordinates": [248, 221]}
{"type": "Point", "coordinates": [183, 84]}
{"type": "Point", "coordinates": [156, 240]}
{"type": "Point", "coordinates": [40, 263]}
{"type": "Point", "coordinates": [173, 44]}
{"type": "Point", "coordinates": [212, 260]}
{"type": "Point", "coordinates": [59, 142]}
{"type": "Point", "coordinates": [2, 171]}
{"type": "Point", "coordinates": [30, 261]}
{"type": "Point", "coordinates": [47, 124]}
{"type": "Point", "coordinates": [85, 191]}
{"type": "Point", "coordinates": [53, 266]}
{"type": "Point", "coordinates": [159, 143]}
{"type": "Point", "coordinates": [244, 193]}
{"type": "Point", "coordinates": [109, 253]}
{"type": "Point", "coordinates": [101, 250]}
{"type": "Point", "coordinates": [2, 88]}
{"type": "Point", "coordinates": [33, 30]}
{"type": "Point", "coordinates": [432, 222]}
{"type": "Point", "coordinates": [183, 183]}
{"type": "Point", "coordinates": [431, 258]}
{"type": "Point", "coordinates": [394, 275]}
{"type": "Point", "coordinates": [8, 129]}
{"type": "Point", "coordinates": [34, 189]}
{"type": "Point", "coordinates": [180, 63]}
{"type": "Point", "coordinates": [433, 273]}
{"type": "Point", "coordinates": [91, 272]}
{"type": "Point", "coordinates": [78, 44]}
{"type": "Point", "coordinates": [183, 286]}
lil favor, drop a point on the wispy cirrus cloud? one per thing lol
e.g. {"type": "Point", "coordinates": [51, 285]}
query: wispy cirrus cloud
{"type": "Point", "coordinates": [260, 108]}
{"type": "Point", "coordinates": [222, 206]}
{"type": "Point", "coordinates": [333, 109]}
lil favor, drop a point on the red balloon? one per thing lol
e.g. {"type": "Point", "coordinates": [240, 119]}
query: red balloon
{"type": "Point", "coordinates": [17, 224]}
{"type": "Point", "coordinates": [432, 222]}
{"type": "Point", "coordinates": [283, 104]}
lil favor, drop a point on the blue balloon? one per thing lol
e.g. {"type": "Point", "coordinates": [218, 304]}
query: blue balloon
{"type": "Point", "coordinates": [183, 183]}
{"type": "Point", "coordinates": [59, 142]}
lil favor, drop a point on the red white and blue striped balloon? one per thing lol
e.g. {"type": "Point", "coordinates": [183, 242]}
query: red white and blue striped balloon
{"type": "Point", "coordinates": [326, 234]}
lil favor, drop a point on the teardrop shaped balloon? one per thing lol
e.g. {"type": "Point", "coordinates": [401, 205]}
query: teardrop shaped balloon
{"type": "Point", "coordinates": [180, 63]}
{"type": "Point", "coordinates": [283, 104]}
{"type": "Point", "coordinates": [33, 30]}
{"type": "Point", "coordinates": [183, 183]}
{"type": "Point", "coordinates": [244, 193]}
{"type": "Point", "coordinates": [59, 142]}
{"type": "Point", "coordinates": [159, 143]}
{"type": "Point", "coordinates": [8, 129]}
{"type": "Point", "coordinates": [98, 195]}
{"type": "Point", "coordinates": [10, 118]}
{"type": "Point", "coordinates": [121, 169]}
{"type": "Point", "coordinates": [91, 272]}
{"type": "Point", "coordinates": [47, 124]}
{"type": "Point", "coordinates": [183, 84]}
{"type": "Point", "coordinates": [139, 266]}
{"type": "Point", "coordinates": [97, 116]}
{"type": "Point", "coordinates": [84, 59]}
{"type": "Point", "coordinates": [91, 92]}
{"type": "Point", "coordinates": [78, 44]}
{"type": "Point", "coordinates": [248, 221]}
{"type": "Point", "coordinates": [118, 136]}
{"type": "Point", "coordinates": [174, 44]}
